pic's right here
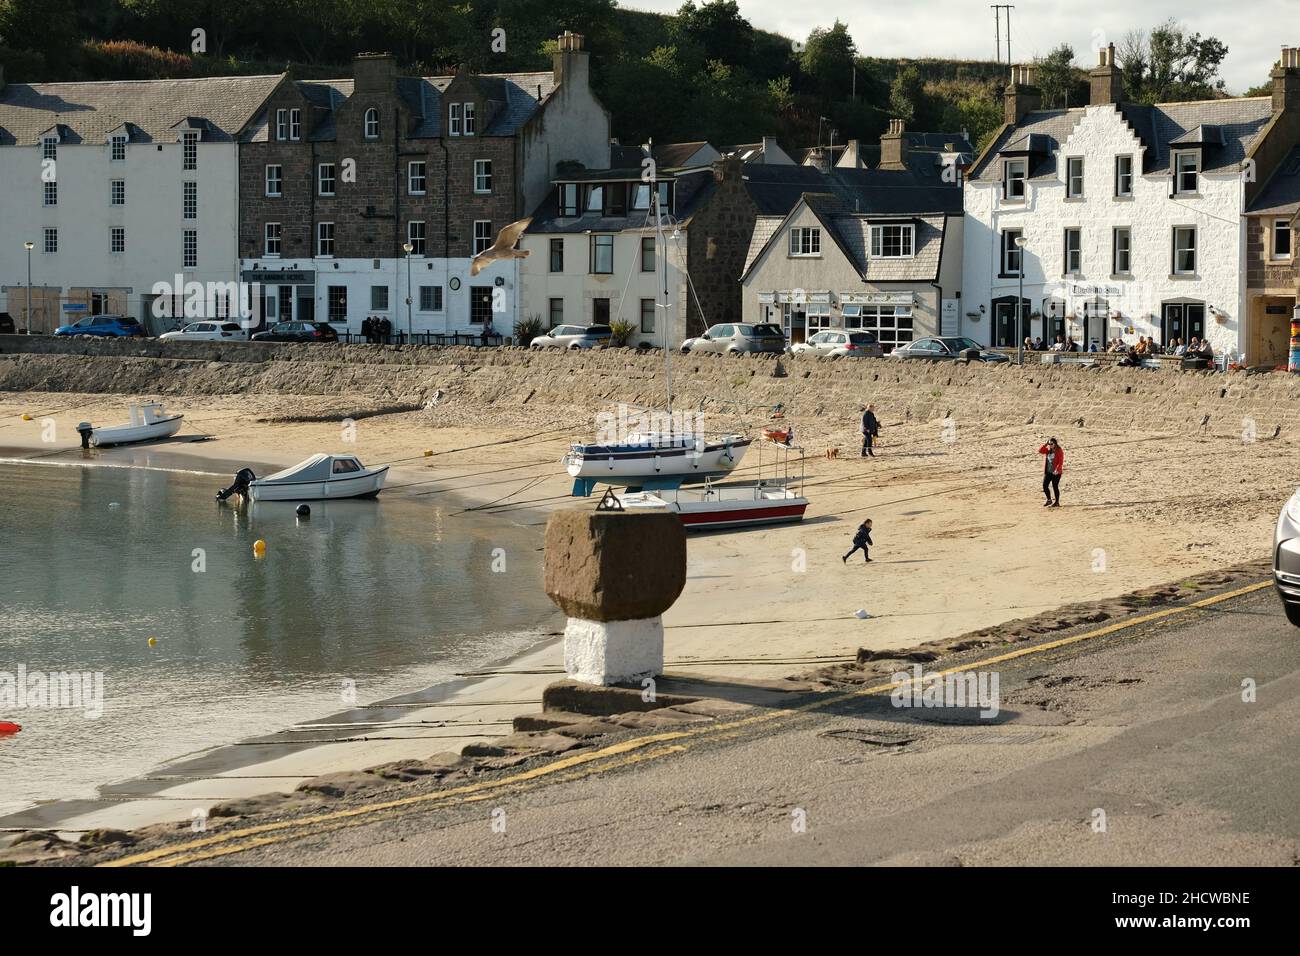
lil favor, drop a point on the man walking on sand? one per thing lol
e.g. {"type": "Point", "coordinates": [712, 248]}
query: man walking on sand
{"type": "Point", "coordinates": [870, 429]}
{"type": "Point", "coordinates": [1052, 467]}
{"type": "Point", "coordinates": [861, 540]}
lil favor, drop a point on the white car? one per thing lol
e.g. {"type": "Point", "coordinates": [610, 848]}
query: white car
{"type": "Point", "coordinates": [838, 343]}
{"type": "Point", "coordinates": [207, 332]}
{"type": "Point", "coordinates": [574, 337]}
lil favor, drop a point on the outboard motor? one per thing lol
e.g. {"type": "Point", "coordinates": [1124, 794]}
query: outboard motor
{"type": "Point", "coordinates": [239, 486]}
{"type": "Point", "coordinates": [85, 429]}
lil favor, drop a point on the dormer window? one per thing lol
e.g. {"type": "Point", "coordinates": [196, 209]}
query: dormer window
{"type": "Point", "coordinates": [469, 119]}
{"type": "Point", "coordinates": [49, 147]}
{"type": "Point", "coordinates": [372, 123]}
{"type": "Point", "coordinates": [893, 241]}
{"type": "Point", "coordinates": [595, 199]}
{"type": "Point", "coordinates": [568, 199]}
{"type": "Point", "coordinates": [1187, 169]}
{"type": "Point", "coordinates": [190, 150]}
{"type": "Point", "coordinates": [1014, 174]}
{"type": "Point", "coordinates": [454, 119]}
{"type": "Point", "coordinates": [117, 149]}
{"type": "Point", "coordinates": [641, 196]}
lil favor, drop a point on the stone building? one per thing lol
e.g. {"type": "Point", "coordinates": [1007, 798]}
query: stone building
{"type": "Point", "coordinates": [369, 196]}
{"type": "Point", "coordinates": [1120, 220]}
{"type": "Point", "coordinates": [1272, 207]}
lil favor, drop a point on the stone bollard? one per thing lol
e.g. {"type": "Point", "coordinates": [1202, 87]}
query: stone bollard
{"type": "Point", "coordinates": [614, 574]}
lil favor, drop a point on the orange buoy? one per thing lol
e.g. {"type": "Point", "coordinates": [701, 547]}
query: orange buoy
{"type": "Point", "coordinates": [7, 729]}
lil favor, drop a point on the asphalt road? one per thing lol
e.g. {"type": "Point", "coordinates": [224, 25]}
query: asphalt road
{"type": "Point", "coordinates": [1146, 726]}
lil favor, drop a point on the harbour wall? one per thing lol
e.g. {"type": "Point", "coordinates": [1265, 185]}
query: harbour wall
{"type": "Point", "coordinates": [530, 385]}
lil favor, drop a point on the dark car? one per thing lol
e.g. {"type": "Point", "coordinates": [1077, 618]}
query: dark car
{"type": "Point", "coordinates": [947, 347]}
{"type": "Point", "coordinates": [103, 325]}
{"type": "Point", "coordinates": [298, 332]}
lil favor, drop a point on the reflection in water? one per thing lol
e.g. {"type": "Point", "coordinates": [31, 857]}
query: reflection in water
{"type": "Point", "coordinates": [389, 594]}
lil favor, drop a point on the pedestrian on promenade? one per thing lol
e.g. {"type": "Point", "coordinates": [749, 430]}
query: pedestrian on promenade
{"type": "Point", "coordinates": [1053, 463]}
{"type": "Point", "coordinates": [861, 541]}
{"type": "Point", "coordinates": [870, 430]}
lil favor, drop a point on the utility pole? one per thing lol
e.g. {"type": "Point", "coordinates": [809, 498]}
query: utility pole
{"type": "Point", "coordinates": [997, 20]}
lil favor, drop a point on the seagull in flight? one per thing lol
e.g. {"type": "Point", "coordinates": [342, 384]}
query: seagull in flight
{"type": "Point", "coordinates": [503, 248]}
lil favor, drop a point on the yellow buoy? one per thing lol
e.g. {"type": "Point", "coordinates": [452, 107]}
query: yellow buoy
{"type": "Point", "coordinates": [26, 417]}
{"type": "Point", "coordinates": [153, 642]}
{"type": "Point", "coordinates": [428, 453]}
{"type": "Point", "coordinates": [259, 547]}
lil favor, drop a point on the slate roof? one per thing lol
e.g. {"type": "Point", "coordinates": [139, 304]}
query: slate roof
{"type": "Point", "coordinates": [423, 96]}
{"type": "Point", "coordinates": [90, 111]}
{"type": "Point", "coordinates": [847, 201]}
{"type": "Point", "coordinates": [666, 155]}
{"type": "Point", "coordinates": [692, 189]}
{"type": "Point", "coordinates": [919, 189]}
{"type": "Point", "coordinates": [917, 143]}
{"type": "Point", "coordinates": [1226, 128]}
{"type": "Point", "coordinates": [1281, 194]}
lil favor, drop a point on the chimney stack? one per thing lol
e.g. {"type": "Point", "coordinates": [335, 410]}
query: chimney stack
{"type": "Point", "coordinates": [375, 72]}
{"type": "Point", "coordinates": [1105, 81]}
{"type": "Point", "coordinates": [820, 159]}
{"type": "Point", "coordinates": [570, 61]}
{"type": "Point", "coordinates": [1286, 81]}
{"type": "Point", "coordinates": [1020, 97]}
{"type": "Point", "coordinates": [893, 147]}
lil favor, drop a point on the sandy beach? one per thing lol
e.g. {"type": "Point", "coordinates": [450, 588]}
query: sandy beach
{"type": "Point", "coordinates": [961, 538]}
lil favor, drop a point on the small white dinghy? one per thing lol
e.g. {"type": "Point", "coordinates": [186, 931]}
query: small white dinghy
{"type": "Point", "coordinates": [149, 422]}
{"type": "Point", "coordinates": [318, 478]}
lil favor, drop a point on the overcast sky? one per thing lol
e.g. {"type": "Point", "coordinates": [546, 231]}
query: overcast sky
{"type": "Point", "coordinates": [1254, 30]}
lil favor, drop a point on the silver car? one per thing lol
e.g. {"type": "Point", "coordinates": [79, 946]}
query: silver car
{"type": "Point", "coordinates": [574, 337]}
{"type": "Point", "coordinates": [207, 332]}
{"type": "Point", "coordinates": [733, 338]}
{"type": "Point", "coordinates": [840, 343]}
{"type": "Point", "coordinates": [1286, 558]}
{"type": "Point", "coordinates": [948, 347]}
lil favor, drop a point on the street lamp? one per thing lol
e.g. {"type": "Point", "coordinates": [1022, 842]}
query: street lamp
{"type": "Point", "coordinates": [28, 246]}
{"type": "Point", "coordinates": [409, 247]}
{"type": "Point", "coordinates": [1021, 242]}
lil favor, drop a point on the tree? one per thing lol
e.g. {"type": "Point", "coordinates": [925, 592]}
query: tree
{"type": "Point", "coordinates": [46, 27]}
{"type": "Point", "coordinates": [907, 99]}
{"type": "Point", "coordinates": [717, 29]}
{"type": "Point", "coordinates": [1169, 65]}
{"type": "Point", "coordinates": [1058, 77]}
{"type": "Point", "coordinates": [828, 60]}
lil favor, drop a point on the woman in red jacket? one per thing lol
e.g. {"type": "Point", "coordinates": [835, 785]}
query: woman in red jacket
{"type": "Point", "coordinates": [1052, 466]}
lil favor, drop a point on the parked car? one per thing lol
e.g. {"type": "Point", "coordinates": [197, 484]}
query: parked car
{"type": "Point", "coordinates": [947, 347]}
{"type": "Point", "coordinates": [574, 337]}
{"type": "Point", "coordinates": [734, 339]}
{"type": "Point", "coordinates": [298, 332]}
{"type": "Point", "coordinates": [840, 343]}
{"type": "Point", "coordinates": [207, 332]}
{"type": "Point", "coordinates": [1286, 558]}
{"type": "Point", "coordinates": [103, 325]}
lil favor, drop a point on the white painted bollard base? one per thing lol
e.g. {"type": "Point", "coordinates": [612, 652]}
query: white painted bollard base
{"type": "Point", "coordinates": [613, 652]}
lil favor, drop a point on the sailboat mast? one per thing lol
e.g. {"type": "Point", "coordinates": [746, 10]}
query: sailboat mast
{"type": "Point", "coordinates": [661, 245]}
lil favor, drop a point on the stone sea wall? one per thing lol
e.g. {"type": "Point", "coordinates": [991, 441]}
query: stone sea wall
{"type": "Point", "coordinates": [511, 383]}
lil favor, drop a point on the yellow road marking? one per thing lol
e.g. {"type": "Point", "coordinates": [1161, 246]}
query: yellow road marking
{"type": "Point", "coordinates": [581, 764]}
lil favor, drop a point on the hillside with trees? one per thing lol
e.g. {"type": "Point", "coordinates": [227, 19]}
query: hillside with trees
{"type": "Point", "coordinates": [704, 73]}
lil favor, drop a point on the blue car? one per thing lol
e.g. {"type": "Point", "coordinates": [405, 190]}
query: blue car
{"type": "Point", "coordinates": [109, 325]}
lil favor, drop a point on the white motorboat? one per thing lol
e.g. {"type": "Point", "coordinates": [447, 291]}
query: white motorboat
{"type": "Point", "coordinates": [652, 455]}
{"type": "Point", "coordinates": [317, 478]}
{"type": "Point", "coordinates": [149, 422]}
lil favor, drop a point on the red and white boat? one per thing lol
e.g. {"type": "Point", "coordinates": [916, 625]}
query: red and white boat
{"type": "Point", "coordinates": [733, 504]}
